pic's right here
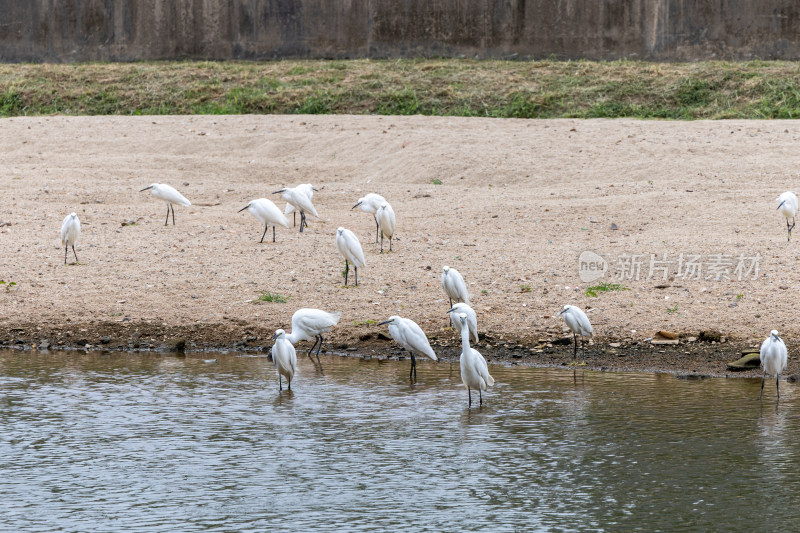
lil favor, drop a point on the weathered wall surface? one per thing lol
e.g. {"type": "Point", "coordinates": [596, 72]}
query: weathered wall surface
{"type": "Point", "coordinates": [124, 30]}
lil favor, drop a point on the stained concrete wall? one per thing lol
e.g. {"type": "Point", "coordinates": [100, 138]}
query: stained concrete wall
{"type": "Point", "coordinates": [124, 30]}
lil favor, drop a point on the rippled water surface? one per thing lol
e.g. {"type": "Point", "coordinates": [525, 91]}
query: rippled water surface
{"type": "Point", "coordinates": [114, 442]}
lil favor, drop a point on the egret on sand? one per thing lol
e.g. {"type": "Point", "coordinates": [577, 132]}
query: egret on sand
{"type": "Point", "coordinates": [410, 336]}
{"type": "Point", "coordinates": [787, 205]}
{"type": "Point", "coordinates": [299, 201]}
{"type": "Point", "coordinates": [370, 204]}
{"type": "Point", "coordinates": [474, 370]}
{"type": "Point", "coordinates": [350, 248]}
{"type": "Point", "coordinates": [268, 213]}
{"type": "Point", "coordinates": [472, 319]}
{"type": "Point", "coordinates": [169, 195]}
{"type": "Point", "coordinates": [308, 190]}
{"type": "Point", "coordinates": [453, 284]}
{"type": "Point", "coordinates": [773, 360]}
{"type": "Point", "coordinates": [386, 223]}
{"type": "Point", "coordinates": [578, 323]}
{"type": "Point", "coordinates": [70, 231]}
{"type": "Point", "coordinates": [310, 324]}
{"type": "Point", "coordinates": [284, 357]}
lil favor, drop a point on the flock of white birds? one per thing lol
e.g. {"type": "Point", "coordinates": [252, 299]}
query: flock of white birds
{"type": "Point", "coordinates": [308, 324]}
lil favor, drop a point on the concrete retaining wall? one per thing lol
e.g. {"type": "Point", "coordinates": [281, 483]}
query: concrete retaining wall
{"type": "Point", "coordinates": [124, 30]}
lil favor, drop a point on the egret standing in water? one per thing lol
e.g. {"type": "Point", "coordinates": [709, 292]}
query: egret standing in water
{"type": "Point", "coordinates": [308, 190]}
{"type": "Point", "coordinates": [386, 223]}
{"type": "Point", "coordinates": [300, 202]}
{"type": "Point", "coordinates": [70, 231]}
{"type": "Point", "coordinates": [474, 370]}
{"type": "Point", "coordinates": [370, 204]}
{"type": "Point", "coordinates": [310, 324]}
{"type": "Point", "coordinates": [268, 213]}
{"type": "Point", "coordinates": [472, 319]}
{"type": "Point", "coordinates": [284, 357]}
{"type": "Point", "coordinates": [578, 323]}
{"type": "Point", "coordinates": [410, 336]}
{"type": "Point", "coordinates": [773, 360]}
{"type": "Point", "coordinates": [350, 248]}
{"type": "Point", "coordinates": [169, 195]}
{"type": "Point", "coordinates": [787, 205]}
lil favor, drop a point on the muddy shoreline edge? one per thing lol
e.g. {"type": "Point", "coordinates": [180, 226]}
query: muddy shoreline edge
{"type": "Point", "coordinates": [689, 360]}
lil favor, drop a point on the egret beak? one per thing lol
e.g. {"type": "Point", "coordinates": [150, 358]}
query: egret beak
{"type": "Point", "coordinates": [315, 190]}
{"type": "Point", "coordinates": [450, 310]}
{"type": "Point", "coordinates": [562, 311]}
{"type": "Point", "coordinates": [780, 204]}
{"type": "Point", "coordinates": [385, 322]}
{"type": "Point", "coordinates": [278, 192]}
{"type": "Point", "coordinates": [242, 209]}
{"type": "Point", "coordinates": [358, 204]}
{"type": "Point", "coordinates": [275, 336]}
{"type": "Point", "coordinates": [150, 187]}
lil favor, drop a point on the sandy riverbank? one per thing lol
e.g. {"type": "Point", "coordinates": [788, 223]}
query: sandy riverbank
{"type": "Point", "coordinates": [519, 201]}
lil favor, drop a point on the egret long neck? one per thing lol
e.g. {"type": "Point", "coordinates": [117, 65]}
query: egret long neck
{"type": "Point", "coordinates": [465, 347]}
{"type": "Point", "coordinates": [291, 337]}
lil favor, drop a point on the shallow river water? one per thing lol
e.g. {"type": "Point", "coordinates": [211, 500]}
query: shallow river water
{"type": "Point", "coordinates": [132, 442]}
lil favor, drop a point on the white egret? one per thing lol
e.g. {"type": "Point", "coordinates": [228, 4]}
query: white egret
{"type": "Point", "coordinates": [472, 319]}
{"type": "Point", "coordinates": [299, 201]}
{"type": "Point", "coordinates": [284, 357]}
{"type": "Point", "coordinates": [310, 324]}
{"type": "Point", "coordinates": [370, 204]}
{"type": "Point", "coordinates": [70, 231]}
{"type": "Point", "coordinates": [386, 223]}
{"type": "Point", "coordinates": [773, 360]}
{"type": "Point", "coordinates": [455, 287]}
{"type": "Point", "coordinates": [410, 336]}
{"type": "Point", "coordinates": [169, 195]}
{"type": "Point", "coordinates": [578, 323]}
{"type": "Point", "coordinates": [268, 213]}
{"type": "Point", "coordinates": [787, 205]}
{"type": "Point", "coordinates": [308, 190]}
{"type": "Point", "coordinates": [474, 370]}
{"type": "Point", "coordinates": [350, 248]}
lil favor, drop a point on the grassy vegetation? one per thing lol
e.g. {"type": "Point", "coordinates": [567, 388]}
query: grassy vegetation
{"type": "Point", "coordinates": [524, 89]}
{"type": "Point", "coordinates": [272, 297]}
{"type": "Point", "coordinates": [604, 287]}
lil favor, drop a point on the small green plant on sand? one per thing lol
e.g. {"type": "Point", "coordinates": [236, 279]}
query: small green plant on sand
{"type": "Point", "coordinates": [436, 181]}
{"type": "Point", "coordinates": [524, 288]}
{"type": "Point", "coordinates": [367, 322]}
{"type": "Point", "coordinates": [604, 287]}
{"type": "Point", "coordinates": [267, 296]}
{"type": "Point", "coordinates": [673, 309]}
{"type": "Point", "coordinates": [8, 284]}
